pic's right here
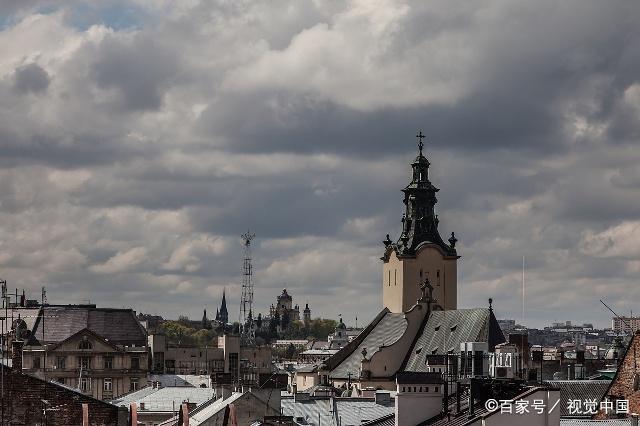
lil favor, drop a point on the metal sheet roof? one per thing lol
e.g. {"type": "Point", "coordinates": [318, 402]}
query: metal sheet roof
{"type": "Point", "coordinates": [445, 330]}
{"type": "Point", "coordinates": [387, 331]}
{"type": "Point", "coordinates": [579, 390]}
{"type": "Point", "coordinates": [339, 411]}
{"type": "Point", "coordinates": [165, 399]}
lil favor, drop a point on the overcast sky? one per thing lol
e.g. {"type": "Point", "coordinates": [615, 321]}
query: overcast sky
{"type": "Point", "coordinates": [139, 139]}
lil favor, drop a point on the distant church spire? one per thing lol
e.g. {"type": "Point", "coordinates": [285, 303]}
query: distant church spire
{"type": "Point", "coordinates": [223, 313]}
{"type": "Point", "coordinates": [419, 221]}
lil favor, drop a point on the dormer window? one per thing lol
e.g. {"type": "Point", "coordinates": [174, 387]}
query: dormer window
{"type": "Point", "coordinates": [85, 344]}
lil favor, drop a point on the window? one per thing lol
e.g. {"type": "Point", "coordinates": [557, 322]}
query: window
{"type": "Point", "coordinates": [426, 389]}
{"type": "Point", "coordinates": [133, 384]}
{"type": "Point", "coordinates": [395, 277]}
{"type": "Point", "coordinates": [233, 364]}
{"type": "Point", "coordinates": [36, 362]}
{"type": "Point", "coordinates": [60, 362]}
{"type": "Point", "coordinates": [389, 278]}
{"type": "Point", "coordinates": [85, 344]}
{"type": "Point", "coordinates": [436, 389]}
{"type": "Point", "coordinates": [108, 384]}
{"type": "Point", "coordinates": [85, 362]}
{"type": "Point", "coordinates": [108, 363]}
{"type": "Point", "coordinates": [135, 363]}
{"type": "Point", "coordinates": [85, 384]}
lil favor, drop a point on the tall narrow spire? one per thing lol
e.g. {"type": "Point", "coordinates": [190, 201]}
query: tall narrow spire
{"type": "Point", "coordinates": [223, 314]}
{"type": "Point", "coordinates": [419, 221]}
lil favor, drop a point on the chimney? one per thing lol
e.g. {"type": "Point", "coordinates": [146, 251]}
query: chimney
{"type": "Point", "coordinates": [85, 414]}
{"type": "Point", "coordinates": [16, 355]}
{"type": "Point", "coordinates": [133, 414]}
{"type": "Point", "coordinates": [183, 415]}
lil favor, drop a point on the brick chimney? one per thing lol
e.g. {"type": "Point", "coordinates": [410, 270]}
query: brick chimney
{"type": "Point", "coordinates": [16, 355]}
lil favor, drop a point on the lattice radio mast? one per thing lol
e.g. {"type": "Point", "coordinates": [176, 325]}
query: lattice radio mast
{"type": "Point", "coordinates": [247, 330]}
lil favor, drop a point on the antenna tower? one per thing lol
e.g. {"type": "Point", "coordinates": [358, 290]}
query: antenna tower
{"type": "Point", "coordinates": [247, 331]}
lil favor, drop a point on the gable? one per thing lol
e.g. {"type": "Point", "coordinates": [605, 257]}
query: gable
{"type": "Point", "coordinates": [444, 331]}
{"type": "Point", "coordinates": [97, 343]}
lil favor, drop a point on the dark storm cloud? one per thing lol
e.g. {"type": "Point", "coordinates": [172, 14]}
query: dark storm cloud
{"type": "Point", "coordinates": [283, 122]}
{"type": "Point", "coordinates": [31, 78]}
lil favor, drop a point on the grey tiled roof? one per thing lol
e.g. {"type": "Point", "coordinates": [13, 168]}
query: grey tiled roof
{"type": "Point", "coordinates": [581, 390]}
{"type": "Point", "coordinates": [28, 315]}
{"type": "Point", "coordinates": [445, 330]}
{"type": "Point", "coordinates": [585, 422]}
{"type": "Point", "coordinates": [344, 411]}
{"type": "Point", "coordinates": [119, 326]}
{"type": "Point", "coordinates": [387, 331]}
{"type": "Point", "coordinates": [388, 420]}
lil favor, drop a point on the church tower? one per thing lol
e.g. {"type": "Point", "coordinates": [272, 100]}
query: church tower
{"type": "Point", "coordinates": [419, 253]}
{"type": "Point", "coordinates": [223, 315]}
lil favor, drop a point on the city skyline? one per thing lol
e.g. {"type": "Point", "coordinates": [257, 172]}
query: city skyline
{"type": "Point", "coordinates": [139, 140]}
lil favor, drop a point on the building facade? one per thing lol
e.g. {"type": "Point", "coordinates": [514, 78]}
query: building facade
{"type": "Point", "coordinates": [29, 400]}
{"type": "Point", "coordinates": [625, 325]}
{"type": "Point", "coordinates": [100, 352]}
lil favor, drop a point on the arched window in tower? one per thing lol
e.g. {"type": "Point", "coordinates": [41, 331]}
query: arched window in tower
{"type": "Point", "coordinates": [438, 276]}
{"type": "Point", "coordinates": [389, 277]}
{"type": "Point", "coordinates": [395, 277]}
{"type": "Point", "coordinates": [420, 274]}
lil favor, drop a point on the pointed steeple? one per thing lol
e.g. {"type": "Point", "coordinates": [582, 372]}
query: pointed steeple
{"type": "Point", "coordinates": [205, 321]}
{"type": "Point", "coordinates": [224, 314]}
{"type": "Point", "coordinates": [419, 221]}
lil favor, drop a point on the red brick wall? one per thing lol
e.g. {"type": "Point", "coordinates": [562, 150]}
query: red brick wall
{"type": "Point", "coordinates": [622, 386]}
{"type": "Point", "coordinates": [22, 404]}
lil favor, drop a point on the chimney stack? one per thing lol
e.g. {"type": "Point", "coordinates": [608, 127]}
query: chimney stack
{"type": "Point", "coordinates": [16, 355]}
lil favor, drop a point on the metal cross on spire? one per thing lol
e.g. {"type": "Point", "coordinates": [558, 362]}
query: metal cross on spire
{"type": "Point", "coordinates": [420, 136]}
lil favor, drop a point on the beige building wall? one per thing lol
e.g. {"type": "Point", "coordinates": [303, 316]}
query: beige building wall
{"type": "Point", "coordinates": [401, 279]}
{"type": "Point", "coordinates": [388, 359]}
{"type": "Point", "coordinates": [305, 381]}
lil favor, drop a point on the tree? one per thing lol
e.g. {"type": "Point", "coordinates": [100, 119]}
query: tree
{"type": "Point", "coordinates": [273, 325]}
{"type": "Point", "coordinates": [291, 351]}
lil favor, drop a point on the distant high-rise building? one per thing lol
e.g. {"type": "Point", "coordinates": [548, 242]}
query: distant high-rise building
{"type": "Point", "coordinates": [625, 324]}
